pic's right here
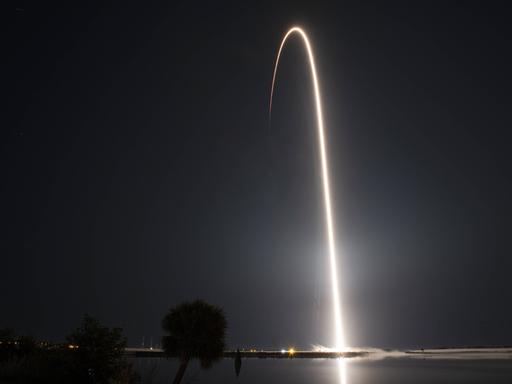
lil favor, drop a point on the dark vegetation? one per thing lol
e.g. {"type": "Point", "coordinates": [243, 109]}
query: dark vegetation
{"type": "Point", "coordinates": [194, 330]}
{"type": "Point", "coordinates": [93, 353]}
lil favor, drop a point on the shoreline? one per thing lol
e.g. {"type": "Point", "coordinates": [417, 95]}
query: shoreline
{"type": "Point", "coordinates": [369, 354]}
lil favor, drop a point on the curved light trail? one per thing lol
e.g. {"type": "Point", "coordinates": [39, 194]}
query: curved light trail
{"type": "Point", "coordinates": [339, 342]}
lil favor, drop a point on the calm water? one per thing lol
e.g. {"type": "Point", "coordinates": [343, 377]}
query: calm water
{"type": "Point", "coordinates": [298, 371]}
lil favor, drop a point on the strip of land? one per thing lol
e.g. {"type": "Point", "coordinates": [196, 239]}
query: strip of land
{"type": "Point", "coordinates": [371, 354]}
{"type": "Point", "coordinates": [146, 352]}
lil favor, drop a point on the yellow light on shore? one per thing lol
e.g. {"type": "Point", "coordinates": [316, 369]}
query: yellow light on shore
{"type": "Point", "coordinates": [291, 351]}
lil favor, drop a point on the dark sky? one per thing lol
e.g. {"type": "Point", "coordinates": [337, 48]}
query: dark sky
{"type": "Point", "coordinates": [139, 170]}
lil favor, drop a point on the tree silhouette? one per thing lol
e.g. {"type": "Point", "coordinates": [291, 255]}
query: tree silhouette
{"type": "Point", "coordinates": [99, 353]}
{"type": "Point", "coordinates": [195, 330]}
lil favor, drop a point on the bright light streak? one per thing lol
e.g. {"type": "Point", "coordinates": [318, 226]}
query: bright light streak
{"type": "Point", "coordinates": [339, 342]}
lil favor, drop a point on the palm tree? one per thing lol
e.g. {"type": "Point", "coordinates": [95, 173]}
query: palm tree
{"type": "Point", "coordinates": [195, 330]}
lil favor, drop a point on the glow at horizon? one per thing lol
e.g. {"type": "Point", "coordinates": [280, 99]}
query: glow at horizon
{"type": "Point", "coordinates": [340, 342]}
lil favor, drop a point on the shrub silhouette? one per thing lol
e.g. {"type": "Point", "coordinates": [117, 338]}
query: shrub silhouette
{"type": "Point", "coordinates": [98, 355]}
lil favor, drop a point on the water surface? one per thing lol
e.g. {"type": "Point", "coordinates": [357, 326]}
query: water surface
{"type": "Point", "coordinates": [330, 371]}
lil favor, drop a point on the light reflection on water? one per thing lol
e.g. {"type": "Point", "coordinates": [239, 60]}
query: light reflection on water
{"type": "Point", "coordinates": [342, 370]}
{"type": "Point", "coordinates": [331, 371]}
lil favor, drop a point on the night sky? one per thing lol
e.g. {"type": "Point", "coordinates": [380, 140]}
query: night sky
{"type": "Point", "coordinates": [139, 170]}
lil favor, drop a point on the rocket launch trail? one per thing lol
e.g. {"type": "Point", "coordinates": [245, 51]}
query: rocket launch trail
{"type": "Point", "coordinates": [339, 341]}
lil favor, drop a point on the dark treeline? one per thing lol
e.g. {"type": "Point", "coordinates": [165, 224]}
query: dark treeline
{"type": "Point", "coordinates": [92, 353]}
{"type": "Point", "coordinates": [95, 354]}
